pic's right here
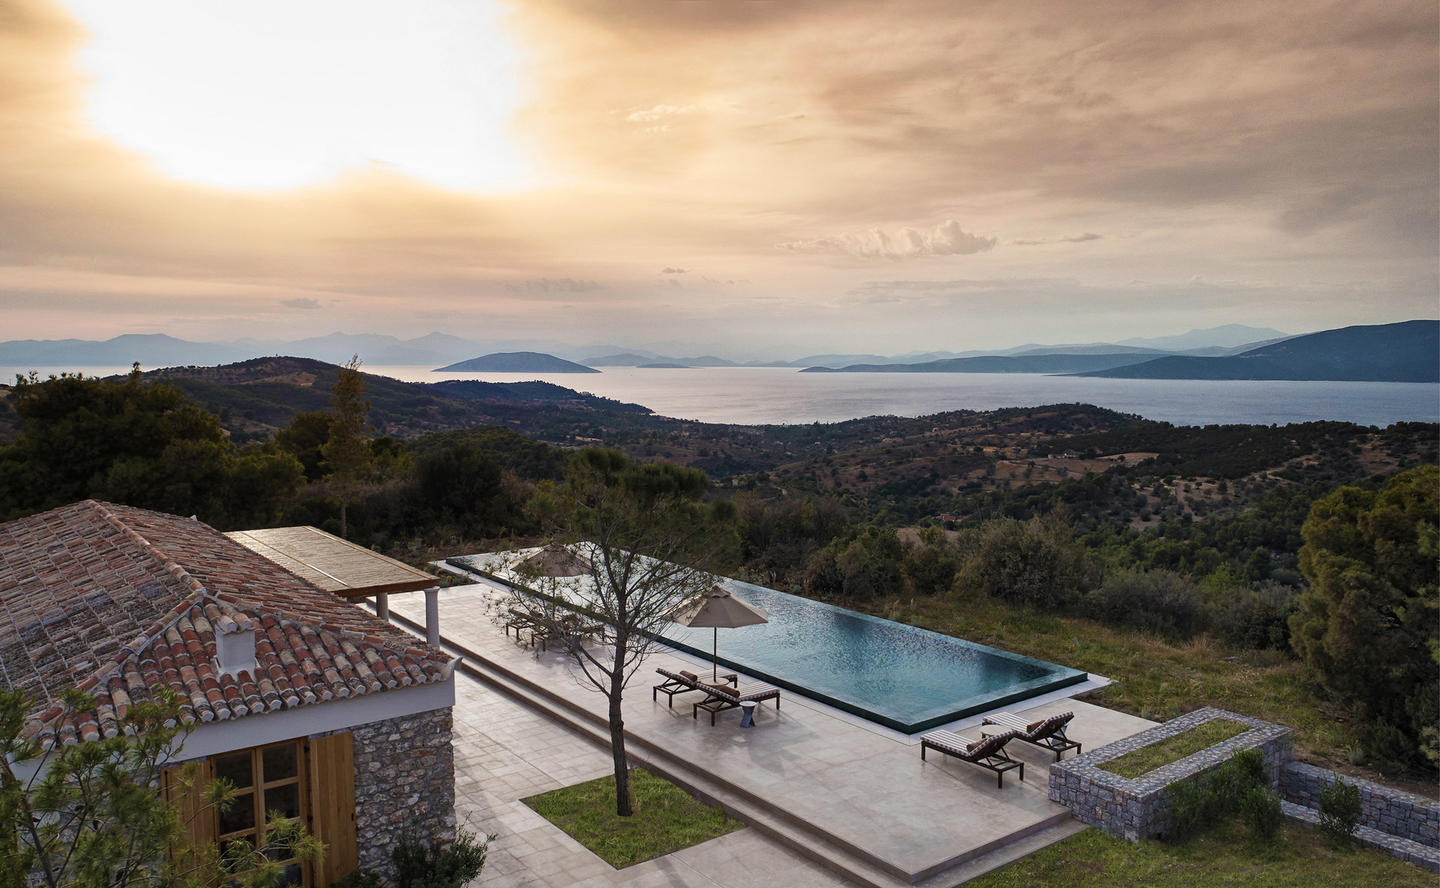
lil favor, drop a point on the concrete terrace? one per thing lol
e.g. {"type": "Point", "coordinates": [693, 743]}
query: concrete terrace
{"type": "Point", "coordinates": [852, 797]}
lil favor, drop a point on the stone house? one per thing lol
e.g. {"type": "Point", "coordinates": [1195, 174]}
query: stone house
{"type": "Point", "coordinates": [309, 704]}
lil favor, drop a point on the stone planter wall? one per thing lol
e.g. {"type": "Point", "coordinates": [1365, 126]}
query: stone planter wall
{"type": "Point", "coordinates": [1401, 814]}
{"type": "Point", "coordinates": [404, 783]}
{"type": "Point", "coordinates": [1139, 808]}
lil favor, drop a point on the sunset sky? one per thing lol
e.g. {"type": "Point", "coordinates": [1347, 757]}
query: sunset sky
{"type": "Point", "coordinates": [733, 177]}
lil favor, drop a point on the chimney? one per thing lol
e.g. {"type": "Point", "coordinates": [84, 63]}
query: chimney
{"type": "Point", "coordinates": [235, 650]}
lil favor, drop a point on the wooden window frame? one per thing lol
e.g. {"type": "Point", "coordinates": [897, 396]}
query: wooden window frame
{"type": "Point", "coordinates": [255, 796]}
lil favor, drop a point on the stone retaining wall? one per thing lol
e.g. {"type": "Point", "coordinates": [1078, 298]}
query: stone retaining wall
{"type": "Point", "coordinates": [404, 783]}
{"type": "Point", "coordinates": [1140, 807]}
{"type": "Point", "coordinates": [1391, 811]}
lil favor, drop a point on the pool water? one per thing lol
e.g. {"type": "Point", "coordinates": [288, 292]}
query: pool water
{"type": "Point", "coordinates": [900, 676]}
{"type": "Point", "coordinates": [903, 677]}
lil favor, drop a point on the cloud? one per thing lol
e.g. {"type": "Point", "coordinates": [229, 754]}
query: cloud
{"type": "Point", "coordinates": [671, 270]}
{"type": "Point", "coordinates": [659, 113]}
{"type": "Point", "coordinates": [1072, 239]}
{"type": "Point", "coordinates": [945, 239]}
{"type": "Point", "coordinates": [303, 302]}
{"type": "Point", "coordinates": [965, 284]}
{"type": "Point", "coordinates": [553, 285]}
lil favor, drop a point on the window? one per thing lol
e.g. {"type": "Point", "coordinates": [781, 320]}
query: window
{"type": "Point", "coordinates": [266, 778]}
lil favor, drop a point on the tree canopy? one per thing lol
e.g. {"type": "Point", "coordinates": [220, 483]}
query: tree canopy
{"type": "Point", "coordinates": [141, 443]}
{"type": "Point", "coordinates": [1369, 625]}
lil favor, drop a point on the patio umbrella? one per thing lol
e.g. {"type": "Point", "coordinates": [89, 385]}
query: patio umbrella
{"type": "Point", "coordinates": [718, 609]}
{"type": "Point", "coordinates": [554, 560]}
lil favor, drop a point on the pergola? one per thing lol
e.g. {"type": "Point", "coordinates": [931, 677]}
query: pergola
{"type": "Point", "coordinates": [340, 566]}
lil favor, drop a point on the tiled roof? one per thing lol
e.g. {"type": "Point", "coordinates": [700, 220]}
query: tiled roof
{"type": "Point", "coordinates": [116, 600]}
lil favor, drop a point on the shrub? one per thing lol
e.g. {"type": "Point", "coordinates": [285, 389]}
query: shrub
{"type": "Point", "coordinates": [359, 878]}
{"type": "Point", "coordinates": [1200, 803]}
{"type": "Point", "coordinates": [436, 865]}
{"type": "Point", "coordinates": [1256, 618]}
{"type": "Point", "coordinates": [1339, 810]}
{"type": "Point", "coordinates": [1159, 601]}
{"type": "Point", "coordinates": [1261, 808]}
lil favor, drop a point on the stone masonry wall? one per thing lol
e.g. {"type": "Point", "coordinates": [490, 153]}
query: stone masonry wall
{"type": "Point", "coordinates": [1139, 808]}
{"type": "Point", "coordinates": [1392, 811]}
{"type": "Point", "coordinates": [404, 783]}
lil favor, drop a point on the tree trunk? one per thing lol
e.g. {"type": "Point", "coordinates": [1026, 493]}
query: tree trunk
{"type": "Point", "coordinates": [344, 535]}
{"type": "Point", "coordinates": [623, 807]}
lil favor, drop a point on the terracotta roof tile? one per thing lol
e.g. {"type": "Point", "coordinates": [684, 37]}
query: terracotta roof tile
{"type": "Point", "coordinates": [117, 600]}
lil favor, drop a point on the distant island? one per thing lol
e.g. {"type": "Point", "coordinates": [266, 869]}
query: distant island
{"type": "Point", "coordinates": [1405, 352]}
{"type": "Point", "coordinates": [1042, 363]}
{"type": "Point", "coordinates": [663, 365]}
{"type": "Point", "coordinates": [516, 362]}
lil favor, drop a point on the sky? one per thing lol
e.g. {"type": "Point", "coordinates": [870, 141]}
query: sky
{"type": "Point", "coordinates": [742, 178]}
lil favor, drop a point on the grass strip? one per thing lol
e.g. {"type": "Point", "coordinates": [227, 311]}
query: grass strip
{"type": "Point", "coordinates": [1224, 857]}
{"type": "Point", "coordinates": [666, 818]}
{"type": "Point", "coordinates": [1173, 749]}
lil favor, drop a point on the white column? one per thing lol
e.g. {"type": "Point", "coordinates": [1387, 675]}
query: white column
{"type": "Point", "coordinates": [382, 606]}
{"type": "Point", "coordinates": [432, 615]}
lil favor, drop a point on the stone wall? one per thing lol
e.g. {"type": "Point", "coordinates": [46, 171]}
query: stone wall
{"type": "Point", "coordinates": [1139, 808]}
{"type": "Point", "coordinates": [1391, 811]}
{"type": "Point", "coordinates": [404, 783]}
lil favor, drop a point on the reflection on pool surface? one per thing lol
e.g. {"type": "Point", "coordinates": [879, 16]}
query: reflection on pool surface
{"type": "Point", "coordinates": [903, 677]}
{"type": "Point", "coordinates": [900, 676]}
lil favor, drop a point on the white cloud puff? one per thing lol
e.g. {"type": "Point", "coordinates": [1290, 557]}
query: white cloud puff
{"type": "Point", "coordinates": [945, 239]}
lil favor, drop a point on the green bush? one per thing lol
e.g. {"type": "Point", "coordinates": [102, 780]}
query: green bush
{"type": "Point", "coordinates": [1159, 601]}
{"type": "Point", "coordinates": [1262, 811]}
{"type": "Point", "coordinates": [1339, 810]}
{"type": "Point", "coordinates": [359, 878]}
{"type": "Point", "coordinates": [436, 865]}
{"type": "Point", "coordinates": [1239, 785]}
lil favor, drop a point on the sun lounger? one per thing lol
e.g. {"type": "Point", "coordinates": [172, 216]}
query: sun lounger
{"type": "Point", "coordinates": [1046, 732]}
{"type": "Point", "coordinates": [721, 698]}
{"type": "Point", "coordinates": [682, 681]}
{"type": "Point", "coordinates": [987, 752]}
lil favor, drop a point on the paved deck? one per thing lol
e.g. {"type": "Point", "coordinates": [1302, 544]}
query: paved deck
{"type": "Point", "coordinates": [505, 752]}
{"type": "Point", "coordinates": [862, 785]}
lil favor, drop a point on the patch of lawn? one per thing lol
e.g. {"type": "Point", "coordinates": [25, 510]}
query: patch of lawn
{"type": "Point", "coordinates": [666, 818]}
{"type": "Point", "coordinates": [1154, 678]}
{"type": "Point", "coordinates": [1225, 857]}
{"type": "Point", "coordinates": [1173, 749]}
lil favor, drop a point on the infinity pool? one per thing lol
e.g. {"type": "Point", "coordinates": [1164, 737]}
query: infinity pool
{"type": "Point", "coordinates": [902, 677]}
{"type": "Point", "coordinates": [905, 678]}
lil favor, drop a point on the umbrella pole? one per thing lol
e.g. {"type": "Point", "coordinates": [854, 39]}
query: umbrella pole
{"type": "Point", "coordinates": [715, 655]}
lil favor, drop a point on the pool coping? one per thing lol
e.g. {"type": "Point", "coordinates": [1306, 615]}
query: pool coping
{"type": "Point", "coordinates": [1061, 676]}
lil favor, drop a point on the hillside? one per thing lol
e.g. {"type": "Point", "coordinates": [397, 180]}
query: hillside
{"type": "Point", "coordinates": [516, 362]}
{"type": "Point", "coordinates": [257, 397]}
{"type": "Point", "coordinates": [1403, 352]}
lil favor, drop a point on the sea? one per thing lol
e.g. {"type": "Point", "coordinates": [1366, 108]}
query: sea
{"type": "Point", "coordinates": [782, 395]}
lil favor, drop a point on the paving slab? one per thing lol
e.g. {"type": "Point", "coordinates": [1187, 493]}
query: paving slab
{"type": "Point", "coordinates": [865, 787]}
{"type": "Point", "coordinates": [505, 751]}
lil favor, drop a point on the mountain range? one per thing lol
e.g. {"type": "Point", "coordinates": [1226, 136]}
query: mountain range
{"type": "Point", "coordinates": [436, 349]}
{"type": "Point", "coordinates": [1401, 352]}
{"type": "Point", "coordinates": [1405, 352]}
{"type": "Point", "coordinates": [1408, 351]}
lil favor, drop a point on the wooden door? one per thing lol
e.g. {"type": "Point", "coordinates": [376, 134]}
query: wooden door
{"type": "Point", "coordinates": [184, 789]}
{"type": "Point", "coordinates": [332, 804]}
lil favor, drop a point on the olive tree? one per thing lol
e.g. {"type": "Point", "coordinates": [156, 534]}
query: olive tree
{"type": "Point", "coordinates": [645, 543]}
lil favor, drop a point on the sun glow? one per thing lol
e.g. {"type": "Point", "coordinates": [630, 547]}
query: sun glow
{"type": "Point", "coordinates": [267, 94]}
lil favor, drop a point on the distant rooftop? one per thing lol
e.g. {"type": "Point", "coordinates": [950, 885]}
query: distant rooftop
{"type": "Point", "coordinates": [333, 564]}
